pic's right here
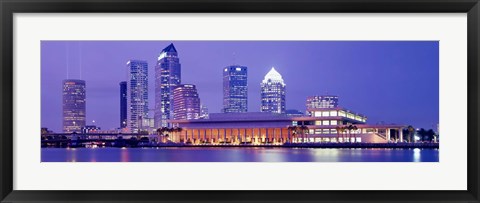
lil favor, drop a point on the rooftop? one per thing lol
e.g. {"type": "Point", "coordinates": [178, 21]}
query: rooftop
{"type": "Point", "coordinates": [274, 76]}
{"type": "Point", "coordinates": [170, 48]}
{"type": "Point", "coordinates": [247, 116]}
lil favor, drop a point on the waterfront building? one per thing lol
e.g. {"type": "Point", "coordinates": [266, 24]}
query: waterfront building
{"type": "Point", "coordinates": [137, 94]}
{"type": "Point", "coordinates": [203, 111]}
{"type": "Point", "coordinates": [294, 113]}
{"type": "Point", "coordinates": [273, 93]}
{"type": "Point", "coordinates": [235, 89]}
{"type": "Point", "coordinates": [325, 101]}
{"type": "Point", "coordinates": [327, 125]}
{"type": "Point", "coordinates": [186, 102]}
{"type": "Point", "coordinates": [74, 105]}
{"type": "Point", "coordinates": [167, 78]}
{"type": "Point", "coordinates": [123, 104]}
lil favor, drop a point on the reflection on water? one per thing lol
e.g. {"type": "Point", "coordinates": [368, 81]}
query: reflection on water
{"type": "Point", "coordinates": [197, 154]}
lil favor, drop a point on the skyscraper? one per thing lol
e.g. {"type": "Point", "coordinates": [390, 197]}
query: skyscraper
{"type": "Point", "coordinates": [123, 104]}
{"type": "Point", "coordinates": [167, 77]}
{"type": "Point", "coordinates": [137, 94]}
{"type": "Point", "coordinates": [325, 101]}
{"type": "Point", "coordinates": [235, 89]}
{"type": "Point", "coordinates": [74, 103]}
{"type": "Point", "coordinates": [273, 93]}
{"type": "Point", "coordinates": [186, 103]}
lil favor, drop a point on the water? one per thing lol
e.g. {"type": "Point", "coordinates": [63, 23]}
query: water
{"type": "Point", "coordinates": [197, 154]}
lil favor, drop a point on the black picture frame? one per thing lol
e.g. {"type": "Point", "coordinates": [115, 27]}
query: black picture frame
{"type": "Point", "coordinates": [10, 7]}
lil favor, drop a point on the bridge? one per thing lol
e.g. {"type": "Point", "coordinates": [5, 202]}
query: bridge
{"type": "Point", "coordinates": [98, 139]}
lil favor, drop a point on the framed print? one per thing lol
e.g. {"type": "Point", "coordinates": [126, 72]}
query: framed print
{"type": "Point", "coordinates": [251, 101]}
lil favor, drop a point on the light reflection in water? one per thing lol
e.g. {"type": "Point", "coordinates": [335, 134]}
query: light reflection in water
{"type": "Point", "coordinates": [416, 155]}
{"type": "Point", "coordinates": [124, 155]}
{"type": "Point", "coordinates": [198, 154]}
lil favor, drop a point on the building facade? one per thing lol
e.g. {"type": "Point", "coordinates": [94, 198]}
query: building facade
{"type": "Point", "coordinates": [273, 93]}
{"type": "Point", "coordinates": [123, 104]}
{"type": "Point", "coordinates": [294, 113]}
{"type": "Point", "coordinates": [258, 128]}
{"type": "Point", "coordinates": [203, 111]}
{"type": "Point", "coordinates": [186, 102]}
{"type": "Point", "coordinates": [235, 89]}
{"type": "Point", "coordinates": [167, 78]}
{"type": "Point", "coordinates": [74, 105]}
{"type": "Point", "coordinates": [326, 101]}
{"type": "Point", "coordinates": [137, 94]}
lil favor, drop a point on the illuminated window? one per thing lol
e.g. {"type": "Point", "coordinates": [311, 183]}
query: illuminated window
{"type": "Point", "coordinates": [318, 122]}
{"type": "Point", "coordinates": [333, 113]}
{"type": "Point", "coordinates": [325, 122]}
{"type": "Point", "coordinates": [333, 122]}
{"type": "Point", "coordinates": [349, 115]}
{"type": "Point", "coordinates": [341, 113]}
{"type": "Point", "coordinates": [318, 114]}
{"type": "Point", "coordinates": [325, 113]}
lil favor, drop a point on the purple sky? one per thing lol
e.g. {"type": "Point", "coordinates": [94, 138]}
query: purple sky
{"type": "Point", "coordinates": [391, 82]}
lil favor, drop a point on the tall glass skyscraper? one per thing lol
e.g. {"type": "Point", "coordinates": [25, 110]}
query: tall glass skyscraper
{"type": "Point", "coordinates": [74, 103]}
{"type": "Point", "coordinates": [273, 93]}
{"type": "Point", "coordinates": [123, 104]}
{"type": "Point", "coordinates": [186, 103]}
{"type": "Point", "coordinates": [167, 78]}
{"type": "Point", "coordinates": [137, 94]}
{"type": "Point", "coordinates": [235, 89]}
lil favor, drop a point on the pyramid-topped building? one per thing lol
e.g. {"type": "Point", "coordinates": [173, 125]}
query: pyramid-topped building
{"type": "Point", "coordinates": [273, 76]}
{"type": "Point", "coordinates": [273, 95]}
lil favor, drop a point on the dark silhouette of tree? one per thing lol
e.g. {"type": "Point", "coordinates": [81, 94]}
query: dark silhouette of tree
{"type": "Point", "coordinates": [304, 130]}
{"type": "Point", "coordinates": [430, 135]}
{"type": "Point", "coordinates": [293, 132]}
{"type": "Point", "coordinates": [422, 133]}
{"type": "Point", "coordinates": [411, 132]}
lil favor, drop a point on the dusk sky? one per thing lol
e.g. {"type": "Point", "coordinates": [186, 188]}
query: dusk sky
{"type": "Point", "coordinates": [391, 82]}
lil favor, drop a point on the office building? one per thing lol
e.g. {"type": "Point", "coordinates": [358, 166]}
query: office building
{"type": "Point", "coordinates": [326, 101]}
{"type": "Point", "coordinates": [273, 93]}
{"type": "Point", "coordinates": [167, 78]}
{"type": "Point", "coordinates": [74, 105]}
{"type": "Point", "coordinates": [203, 111]}
{"type": "Point", "coordinates": [137, 94]}
{"type": "Point", "coordinates": [186, 102]}
{"type": "Point", "coordinates": [235, 89]}
{"type": "Point", "coordinates": [123, 104]}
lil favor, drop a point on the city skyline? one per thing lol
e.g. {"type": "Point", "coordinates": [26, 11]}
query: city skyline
{"type": "Point", "coordinates": [207, 89]}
